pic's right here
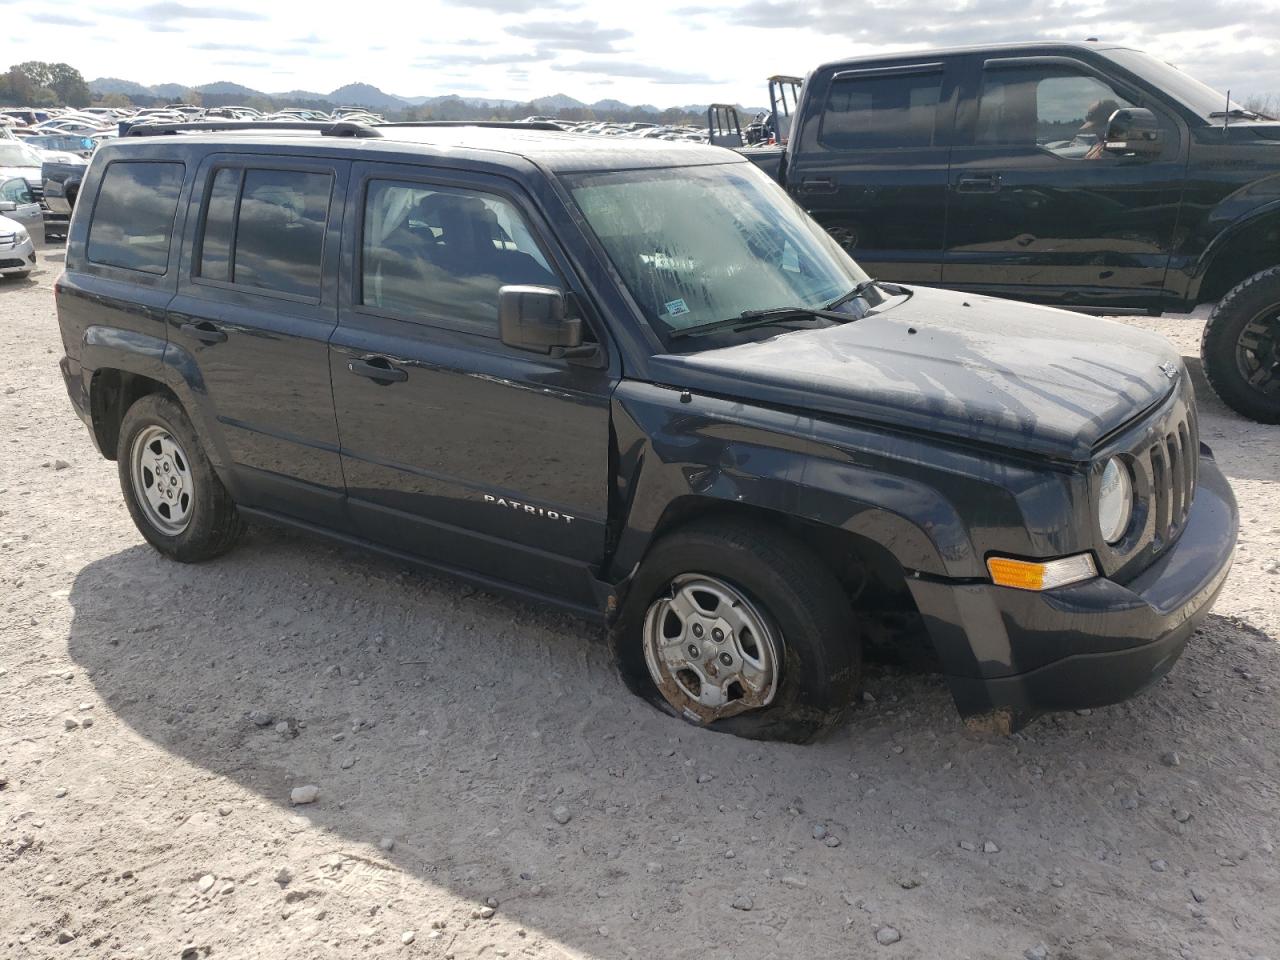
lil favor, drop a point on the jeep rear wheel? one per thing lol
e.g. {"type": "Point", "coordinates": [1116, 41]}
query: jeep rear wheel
{"type": "Point", "coordinates": [176, 500]}
{"type": "Point", "coordinates": [735, 626]}
{"type": "Point", "coordinates": [1240, 347]}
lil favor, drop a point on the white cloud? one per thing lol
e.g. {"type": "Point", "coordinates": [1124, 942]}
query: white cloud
{"type": "Point", "coordinates": [668, 52]}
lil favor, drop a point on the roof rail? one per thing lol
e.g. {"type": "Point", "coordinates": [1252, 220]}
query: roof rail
{"type": "Point", "coordinates": [326, 128]}
{"type": "Point", "coordinates": [500, 124]}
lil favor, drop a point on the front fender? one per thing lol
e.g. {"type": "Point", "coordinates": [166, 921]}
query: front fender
{"type": "Point", "coordinates": [722, 451]}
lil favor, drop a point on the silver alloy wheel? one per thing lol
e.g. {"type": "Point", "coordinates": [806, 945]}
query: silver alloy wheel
{"type": "Point", "coordinates": [162, 481]}
{"type": "Point", "coordinates": [709, 651]}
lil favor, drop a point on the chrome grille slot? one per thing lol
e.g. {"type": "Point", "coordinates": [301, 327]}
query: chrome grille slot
{"type": "Point", "coordinates": [1160, 491]}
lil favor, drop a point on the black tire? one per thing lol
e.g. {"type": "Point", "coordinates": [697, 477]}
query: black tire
{"type": "Point", "coordinates": [214, 524]}
{"type": "Point", "coordinates": [1247, 308]}
{"type": "Point", "coordinates": [821, 655]}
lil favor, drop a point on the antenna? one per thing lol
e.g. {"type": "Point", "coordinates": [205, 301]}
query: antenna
{"type": "Point", "coordinates": [1226, 113]}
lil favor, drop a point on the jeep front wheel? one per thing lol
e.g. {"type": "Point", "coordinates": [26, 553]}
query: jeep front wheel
{"type": "Point", "coordinates": [735, 626]}
{"type": "Point", "coordinates": [1240, 347]}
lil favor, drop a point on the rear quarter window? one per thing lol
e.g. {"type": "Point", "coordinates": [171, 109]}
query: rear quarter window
{"type": "Point", "coordinates": [133, 217]}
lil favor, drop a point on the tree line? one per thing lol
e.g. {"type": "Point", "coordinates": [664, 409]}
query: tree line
{"type": "Point", "coordinates": [39, 84]}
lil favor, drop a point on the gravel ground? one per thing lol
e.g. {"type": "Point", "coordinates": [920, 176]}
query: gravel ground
{"type": "Point", "coordinates": [487, 788]}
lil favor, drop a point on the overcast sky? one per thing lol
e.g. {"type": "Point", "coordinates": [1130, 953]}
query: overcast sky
{"type": "Point", "coordinates": [665, 52]}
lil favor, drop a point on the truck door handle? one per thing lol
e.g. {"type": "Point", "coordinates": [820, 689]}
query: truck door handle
{"type": "Point", "coordinates": [378, 369]}
{"type": "Point", "coordinates": [205, 332]}
{"type": "Point", "coordinates": [980, 183]}
{"type": "Point", "coordinates": [818, 185]}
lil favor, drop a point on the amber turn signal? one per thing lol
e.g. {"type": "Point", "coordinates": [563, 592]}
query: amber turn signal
{"type": "Point", "coordinates": [1040, 574]}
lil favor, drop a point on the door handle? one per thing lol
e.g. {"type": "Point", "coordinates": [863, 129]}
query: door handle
{"type": "Point", "coordinates": [818, 185]}
{"type": "Point", "coordinates": [980, 183]}
{"type": "Point", "coordinates": [205, 332]}
{"type": "Point", "coordinates": [378, 369]}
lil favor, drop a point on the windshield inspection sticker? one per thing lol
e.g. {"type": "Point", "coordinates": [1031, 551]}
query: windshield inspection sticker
{"type": "Point", "coordinates": [676, 307]}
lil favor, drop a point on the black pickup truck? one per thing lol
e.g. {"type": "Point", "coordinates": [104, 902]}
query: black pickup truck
{"type": "Point", "coordinates": [1074, 174]}
{"type": "Point", "coordinates": [634, 379]}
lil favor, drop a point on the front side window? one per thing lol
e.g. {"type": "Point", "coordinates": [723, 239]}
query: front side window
{"type": "Point", "coordinates": [698, 245]}
{"type": "Point", "coordinates": [265, 229]}
{"type": "Point", "coordinates": [441, 253]}
{"type": "Point", "coordinates": [133, 217]}
{"type": "Point", "coordinates": [1053, 108]}
{"type": "Point", "coordinates": [881, 113]}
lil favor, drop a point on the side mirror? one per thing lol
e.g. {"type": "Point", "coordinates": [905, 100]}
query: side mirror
{"type": "Point", "coordinates": [1133, 131]}
{"type": "Point", "coordinates": [8, 206]}
{"type": "Point", "coordinates": [533, 318]}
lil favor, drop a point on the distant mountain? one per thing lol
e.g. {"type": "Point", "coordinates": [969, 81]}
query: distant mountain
{"type": "Point", "coordinates": [105, 86]}
{"type": "Point", "coordinates": [364, 95]}
{"type": "Point", "coordinates": [559, 101]}
{"type": "Point", "coordinates": [224, 88]}
{"type": "Point", "coordinates": [357, 95]}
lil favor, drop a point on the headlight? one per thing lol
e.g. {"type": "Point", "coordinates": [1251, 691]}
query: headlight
{"type": "Point", "coordinates": [1115, 500]}
{"type": "Point", "coordinates": [20, 234]}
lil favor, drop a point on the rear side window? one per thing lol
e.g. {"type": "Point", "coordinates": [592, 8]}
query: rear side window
{"type": "Point", "coordinates": [879, 113]}
{"type": "Point", "coordinates": [133, 217]}
{"type": "Point", "coordinates": [265, 229]}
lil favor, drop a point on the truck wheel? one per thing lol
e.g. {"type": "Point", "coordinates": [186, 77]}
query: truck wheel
{"type": "Point", "coordinates": [176, 500]}
{"type": "Point", "coordinates": [733, 626]}
{"type": "Point", "coordinates": [1240, 348]}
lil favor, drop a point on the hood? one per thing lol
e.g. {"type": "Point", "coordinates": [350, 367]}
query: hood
{"type": "Point", "coordinates": [974, 368]}
{"type": "Point", "coordinates": [29, 174]}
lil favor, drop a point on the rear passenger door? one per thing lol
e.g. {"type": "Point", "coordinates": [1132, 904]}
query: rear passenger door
{"type": "Point", "coordinates": [871, 165]}
{"type": "Point", "coordinates": [256, 303]}
{"type": "Point", "coordinates": [457, 448]}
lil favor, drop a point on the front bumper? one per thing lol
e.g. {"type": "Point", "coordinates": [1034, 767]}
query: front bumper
{"type": "Point", "coordinates": [1020, 653]}
{"type": "Point", "coordinates": [17, 257]}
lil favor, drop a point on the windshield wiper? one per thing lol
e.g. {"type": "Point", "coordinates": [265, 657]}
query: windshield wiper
{"type": "Point", "coordinates": [857, 291]}
{"type": "Point", "coordinates": [1237, 112]}
{"type": "Point", "coordinates": [763, 318]}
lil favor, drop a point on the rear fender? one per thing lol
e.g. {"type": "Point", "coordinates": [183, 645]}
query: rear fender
{"type": "Point", "coordinates": [129, 351]}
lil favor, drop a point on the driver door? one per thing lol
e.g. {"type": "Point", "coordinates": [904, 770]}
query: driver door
{"type": "Point", "coordinates": [1037, 210]}
{"type": "Point", "coordinates": [456, 447]}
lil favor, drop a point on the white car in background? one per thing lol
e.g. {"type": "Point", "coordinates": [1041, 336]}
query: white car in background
{"type": "Point", "coordinates": [17, 252]}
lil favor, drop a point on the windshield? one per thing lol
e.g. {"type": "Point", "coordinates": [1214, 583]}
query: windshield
{"type": "Point", "coordinates": [18, 155]}
{"type": "Point", "coordinates": [1199, 97]}
{"type": "Point", "coordinates": [698, 245]}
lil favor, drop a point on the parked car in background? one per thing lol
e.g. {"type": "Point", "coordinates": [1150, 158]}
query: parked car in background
{"type": "Point", "coordinates": [1076, 174]}
{"type": "Point", "coordinates": [19, 204]}
{"type": "Point", "coordinates": [60, 179]}
{"type": "Point", "coordinates": [63, 143]}
{"type": "Point", "coordinates": [19, 160]}
{"type": "Point", "coordinates": [17, 251]}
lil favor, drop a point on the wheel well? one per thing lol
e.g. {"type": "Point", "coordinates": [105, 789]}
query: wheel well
{"type": "Point", "coordinates": [871, 576]}
{"type": "Point", "coordinates": [111, 394]}
{"type": "Point", "coordinates": [1255, 248]}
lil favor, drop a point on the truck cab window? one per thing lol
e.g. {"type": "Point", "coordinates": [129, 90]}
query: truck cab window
{"type": "Point", "coordinates": [1052, 108]}
{"type": "Point", "coordinates": [864, 113]}
{"type": "Point", "coordinates": [438, 253]}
